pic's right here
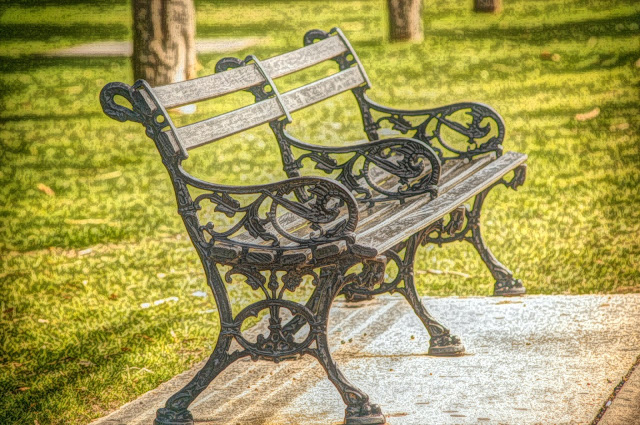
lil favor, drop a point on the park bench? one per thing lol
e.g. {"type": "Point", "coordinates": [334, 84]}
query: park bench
{"type": "Point", "coordinates": [354, 232]}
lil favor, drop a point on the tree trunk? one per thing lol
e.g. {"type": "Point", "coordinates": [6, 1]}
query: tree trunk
{"type": "Point", "coordinates": [405, 20]}
{"type": "Point", "coordinates": [491, 6]}
{"type": "Point", "coordinates": [164, 41]}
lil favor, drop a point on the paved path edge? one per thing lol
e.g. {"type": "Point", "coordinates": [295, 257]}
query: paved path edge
{"type": "Point", "coordinates": [623, 406]}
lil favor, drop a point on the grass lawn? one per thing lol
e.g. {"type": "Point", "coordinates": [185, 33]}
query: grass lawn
{"type": "Point", "coordinates": [89, 230]}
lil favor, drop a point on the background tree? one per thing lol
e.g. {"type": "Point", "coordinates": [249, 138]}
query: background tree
{"type": "Point", "coordinates": [164, 41]}
{"type": "Point", "coordinates": [405, 20]}
{"type": "Point", "coordinates": [492, 6]}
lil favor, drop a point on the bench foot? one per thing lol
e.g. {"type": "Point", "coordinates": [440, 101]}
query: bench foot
{"type": "Point", "coordinates": [369, 414]}
{"type": "Point", "coordinates": [359, 411]}
{"type": "Point", "coordinates": [354, 297]}
{"type": "Point", "coordinates": [175, 411]}
{"type": "Point", "coordinates": [509, 288]}
{"type": "Point", "coordinates": [442, 343]}
{"type": "Point", "coordinates": [446, 346]}
{"type": "Point", "coordinates": [166, 416]}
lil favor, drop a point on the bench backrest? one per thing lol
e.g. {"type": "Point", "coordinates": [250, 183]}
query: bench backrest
{"type": "Point", "coordinates": [249, 75]}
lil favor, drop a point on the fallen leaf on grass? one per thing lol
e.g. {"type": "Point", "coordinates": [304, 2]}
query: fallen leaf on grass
{"type": "Point", "coordinates": [108, 176]}
{"type": "Point", "coordinates": [43, 321]}
{"type": "Point", "coordinates": [86, 363]}
{"type": "Point", "coordinates": [84, 221]}
{"type": "Point", "coordinates": [23, 389]}
{"type": "Point", "coordinates": [548, 56]}
{"type": "Point", "coordinates": [141, 369]}
{"type": "Point", "coordinates": [588, 115]}
{"type": "Point", "coordinates": [46, 189]}
{"type": "Point", "coordinates": [621, 126]}
{"type": "Point", "coordinates": [158, 302]}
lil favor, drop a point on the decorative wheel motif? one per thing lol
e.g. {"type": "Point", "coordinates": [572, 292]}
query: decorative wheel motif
{"type": "Point", "coordinates": [280, 344]}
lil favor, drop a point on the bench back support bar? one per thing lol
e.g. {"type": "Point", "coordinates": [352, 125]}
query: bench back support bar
{"type": "Point", "coordinates": [203, 132]}
{"type": "Point", "coordinates": [216, 85]}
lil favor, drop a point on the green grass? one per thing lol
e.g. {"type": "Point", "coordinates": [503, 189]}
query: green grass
{"type": "Point", "coordinates": [78, 263]}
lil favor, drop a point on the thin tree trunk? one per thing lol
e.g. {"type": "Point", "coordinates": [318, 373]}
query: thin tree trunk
{"type": "Point", "coordinates": [491, 6]}
{"type": "Point", "coordinates": [405, 20]}
{"type": "Point", "coordinates": [164, 41]}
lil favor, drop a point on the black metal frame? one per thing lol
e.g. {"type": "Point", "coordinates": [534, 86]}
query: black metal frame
{"type": "Point", "coordinates": [482, 135]}
{"type": "Point", "coordinates": [280, 262]}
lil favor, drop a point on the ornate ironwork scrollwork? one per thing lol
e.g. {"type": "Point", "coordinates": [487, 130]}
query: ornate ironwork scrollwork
{"type": "Point", "coordinates": [119, 112]}
{"type": "Point", "coordinates": [413, 163]}
{"type": "Point", "coordinates": [321, 211]}
{"type": "Point", "coordinates": [279, 344]}
{"type": "Point", "coordinates": [402, 157]}
{"type": "Point", "coordinates": [477, 128]}
{"type": "Point", "coordinates": [483, 119]}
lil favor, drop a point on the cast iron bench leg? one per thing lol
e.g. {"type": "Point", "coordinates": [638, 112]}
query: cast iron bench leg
{"type": "Point", "coordinates": [441, 342]}
{"type": "Point", "coordinates": [175, 411]}
{"type": "Point", "coordinates": [506, 284]}
{"type": "Point", "coordinates": [359, 411]}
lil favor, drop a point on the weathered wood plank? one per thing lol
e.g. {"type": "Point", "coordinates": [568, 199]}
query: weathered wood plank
{"type": "Point", "coordinates": [452, 172]}
{"type": "Point", "coordinates": [386, 234]}
{"type": "Point", "coordinates": [203, 132]}
{"type": "Point", "coordinates": [200, 133]}
{"type": "Point", "coordinates": [216, 85]}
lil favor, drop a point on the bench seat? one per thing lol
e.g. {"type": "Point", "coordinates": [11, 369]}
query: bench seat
{"type": "Point", "coordinates": [385, 224]}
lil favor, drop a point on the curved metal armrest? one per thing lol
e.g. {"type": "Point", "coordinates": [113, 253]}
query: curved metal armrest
{"type": "Point", "coordinates": [330, 210]}
{"type": "Point", "coordinates": [146, 110]}
{"type": "Point", "coordinates": [484, 120]}
{"type": "Point", "coordinates": [402, 157]}
{"type": "Point", "coordinates": [119, 112]}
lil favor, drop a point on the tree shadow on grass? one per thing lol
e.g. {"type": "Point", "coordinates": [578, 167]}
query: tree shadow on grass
{"type": "Point", "coordinates": [45, 32]}
{"type": "Point", "coordinates": [17, 402]}
{"type": "Point", "coordinates": [30, 63]}
{"type": "Point", "coordinates": [539, 33]}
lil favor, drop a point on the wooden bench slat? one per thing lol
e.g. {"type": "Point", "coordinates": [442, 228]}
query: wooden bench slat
{"type": "Point", "coordinates": [386, 234]}
{"type": "Point", "coordinates": [388, 211]}
{"type": "Point", "coordinates": [200, 133]}
{"type": "Point", "coordinates": [452, 172]}
{"type": "Point", "coordinates": [211, 86]}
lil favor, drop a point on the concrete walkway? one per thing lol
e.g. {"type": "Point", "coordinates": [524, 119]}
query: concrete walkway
{"type": "Point", "coordinates": [530, 360]}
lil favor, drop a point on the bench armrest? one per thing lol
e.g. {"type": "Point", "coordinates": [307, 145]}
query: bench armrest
{"type": "Point", "coordinates": [362, 167]}
{"type": "Point", "coordinates": [268, 212]}
{"type": "Point", "coordinates": [459, 130]}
